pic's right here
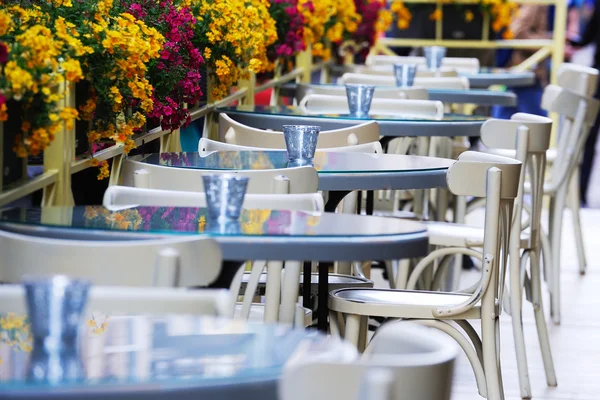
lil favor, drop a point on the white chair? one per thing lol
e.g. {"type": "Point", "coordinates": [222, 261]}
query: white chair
{"type": "Point", "coordinates": [183, 261]}
{"type": "Point", "coordinates": [388, 70]}
{"type": "Point", "coordinates": [281, 181]}
{"type": "Point", "coordinates": [113, 300]}
{"type": "Point", "coordinates": [206, 146]}
{"type": "Point", "coordinates": [529, 136]}
{"type": "Point", "coordinates": [459, 83]}
{"type": "Point", "coordinates": [419, 359]}
{"type": "Point", "coordinates": [243, 135]}
{"type": "Point", "coordinates": [579, 114]}
{"type": "Point", "coordinates": [404, 93]}
{"type": "Point", "coordinates": [463, 64]}
{"type": "Point", "coordinates": [324, 104]}
{"type": "Point", "coordinates": [474, 174]}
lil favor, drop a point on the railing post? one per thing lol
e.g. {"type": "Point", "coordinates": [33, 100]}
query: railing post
{"type": "Point", "coordinates": [304, 61]}
{"type": "Point", "coordinates": [59, 155]}
{"type": "Point", "coordinates": [249, 84]}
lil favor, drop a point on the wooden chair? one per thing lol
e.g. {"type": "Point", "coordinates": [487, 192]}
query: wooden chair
{"type": "Point", "coordinates": [206, 146]}
{"type": "Point", "coordinates": [460, 83]}
{"type": "Point", "coordinates": [234, 132]}
{"type": "Point", "coordinates": [408, 93]}
{"type": "Point", "coordinates": [474, 174]}
{"type": "Point", "coordinates": [463, 64]}
{"type": "Point", "coordinates": [325, 104]}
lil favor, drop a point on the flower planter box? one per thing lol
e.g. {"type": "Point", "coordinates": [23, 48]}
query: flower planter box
{"type": "Point", "coordinates": [14, 169]}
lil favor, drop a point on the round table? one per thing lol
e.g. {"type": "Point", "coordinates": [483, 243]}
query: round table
{"type": "Point", "coordinates": [274, 117]}
{"type": "Point", "coordinates": [259, 235]}
{"type": "Point", "coordinates": [487, 77]}
{"type": "Point", "coordinates": [339, 172]}
{"type": "Point", "coordinates": [176, 357]}
{"type": "Point", "coordinates": [455, 96]}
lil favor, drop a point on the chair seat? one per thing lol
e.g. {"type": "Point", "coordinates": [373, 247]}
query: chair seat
{"type": "Point", "coordinates": [257, 313]}
{"type": "Point", "coordinates": [336, 281]}
{"type": "Point", "coordinates": [458, 235]}
{"type": "Point", "coordinates": [397, 303]}
{"type": "Point", "coordinates": [397, 214]}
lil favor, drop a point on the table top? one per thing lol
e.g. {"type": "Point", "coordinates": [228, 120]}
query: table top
{"type": "Point", "coordinates": [169, 356]}
{"type": "Point", "coordinates": [274, 117]}
{"type": "Point", "coordinates": [337, 170]}
{"type": "Point", "coordinates": [258, 235]}
{"type": "Point", "coordinates": [497, 76]}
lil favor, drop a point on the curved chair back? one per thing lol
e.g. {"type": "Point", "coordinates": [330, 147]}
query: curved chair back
{"type": "Point", "coordinates": [460, 83]}
{"type": "Point", "coordinates": [206, 146]}
{"type": "Point", "coordinates": [184, 261]}
{"type": "Point", "coordinates": [463, 64]}
{"type": "Point", "coordinates": [420, 360]}
{"type": "Point", "coordinates": [280, 181]}
{"type": "Point", "coordinates": [237, 133]}
{"type": "Point", "coordinates": [125, 195]}
{"type": "Point", "coordinates": [388, 70]}
{"type": "Point", "coordinates": [409, 93]}
{"type": "Point", "coordinates": [578, 78]}
{"type": "Point", "coordinates": [323, 104]}
{"type": "Point", "coordinates": [503, 134]}
{"type": "Point", "coordinates": [133, 300]}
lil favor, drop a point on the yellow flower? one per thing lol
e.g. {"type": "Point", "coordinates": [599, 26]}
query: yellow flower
{"type": "Point", "coordinates": [3, 113]}
{"type": "Point", "coordinates": [469, 16]}
{"type": "Point", "coordinates": [72, 70]}
{"type": "Point", "coordinates": [6, 22]}
{"type": "Point", "coordinates": [207, 53]}
{"type": "Point", "coordinates": [436, 15]}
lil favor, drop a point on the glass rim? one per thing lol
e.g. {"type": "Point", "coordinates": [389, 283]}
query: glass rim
{"type": "Point", "coordinates": [54, 279]}
{"type": "Point", "coordinates": [226, 177]}
{"type": "Point", "coordinates": [359, 85]}
{"type": "Point", "coordinates": [303, 127]}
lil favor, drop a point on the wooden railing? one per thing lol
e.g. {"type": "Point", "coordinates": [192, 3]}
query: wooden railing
{"type": "Point", "coordinates": [60, 161]}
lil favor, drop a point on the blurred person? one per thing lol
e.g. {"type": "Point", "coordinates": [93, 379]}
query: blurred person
{"type": "Point", "coordinates": [531, 22]}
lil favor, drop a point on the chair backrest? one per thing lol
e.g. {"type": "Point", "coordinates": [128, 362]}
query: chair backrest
{"type": "Point", "coordinates": [497, 179]}
{"type": "Point", "coordinates": [460, 63]}
{"type": "Point", "coordinates": [578, 78]}
{"type": "Point", "coordinates": [125, 195]}
{"type": "Point", "coordinates": [579, 114]}
{"type": "Point", "coordinates": [280, 181]}
{"type": "Point", "coordinates": [240, 134]}
{"type": "Point", "coordinates": [388, 70]}
{"type": "Point", "coordinates": [324, 104]}
{"type": "Point", "coordinates": [183, 261]}
{"type": "Point", "coordinates": [206, 146]}
{"type": "Point", "coordinates": [410, 93]}
{"type": "Point", "coordinates": [460, 82]}
{"type": "Point", "coordinates": [420, 359]}
{"type": "Point", "coordinates": [529, 135]}
{"type": "Point", "coordinates": [133, 300]}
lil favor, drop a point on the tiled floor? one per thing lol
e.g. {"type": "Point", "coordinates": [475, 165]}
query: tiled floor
{"type": "Point", "coordinates": [575, 343]}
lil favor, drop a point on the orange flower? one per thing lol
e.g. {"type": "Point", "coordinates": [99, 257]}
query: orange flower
{"type": "Point", "coordinates": [469, 16]}
{"type": "Point", "coordinates": [436, 15]}
{"type": "Point", "coordinates": [508, 35]}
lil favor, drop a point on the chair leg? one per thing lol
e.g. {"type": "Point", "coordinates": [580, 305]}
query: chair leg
{"type": "Point", "coordinates": [363, 332]}
{"type": "Point", "coordinates": [575, 206]}
{"type": "Point", "coordinates": [557, 207]}
{"type": "Point", "coordinates": [540, 319]}
{"type": "Point", "coordinates": [491, 360]}
{"type": "Point", "coordinates": [402, 275]}
{"type": "Point", "coordinates": [352, 331]}
{"type": "Point", "coordinates": [516, 309]}
{"type": "Point", "coordinates": [391, 268]}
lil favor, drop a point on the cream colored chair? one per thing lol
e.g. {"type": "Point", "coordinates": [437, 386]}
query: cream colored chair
{"type": "Point", "coordinates": [206, 146]}
{"type": "Point", "coordinates": [279, 181]}
{"type": "Point", "coordinates": [529, 136]}
{"type": "Point", "coordinates": [459, 83]}
{"type": "Point", "coordinates": [474, 174]}
{"type": "Point", "coordinates": [462, 64]}
{"type": "Point", "coordinates": [113, 300]}
{"type": "Point", "coordinates": [419, 360]}
{"type": "Point", "coordinates": [388, 70]}
{"type": "Point", "coordinates": [243, 135]}
{"type": "Point", "coordinates": [184, 261]}
{"type": "Point", "coordinates": [325, 104]}
{"type": "Point", "coordinates": [408, 93]}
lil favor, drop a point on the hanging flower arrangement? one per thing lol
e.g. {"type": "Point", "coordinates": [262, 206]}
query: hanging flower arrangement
{"type": "Point", "coordinates": [376, 19]}
{"type": "Point", "coordinates": [233, 36]}
{"type": "Point", "coordinates": [290, 29]}
{"type": "Point", "coordinates": [34, 61]}
{"type": "Point", "coordinates": [175, 76]}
